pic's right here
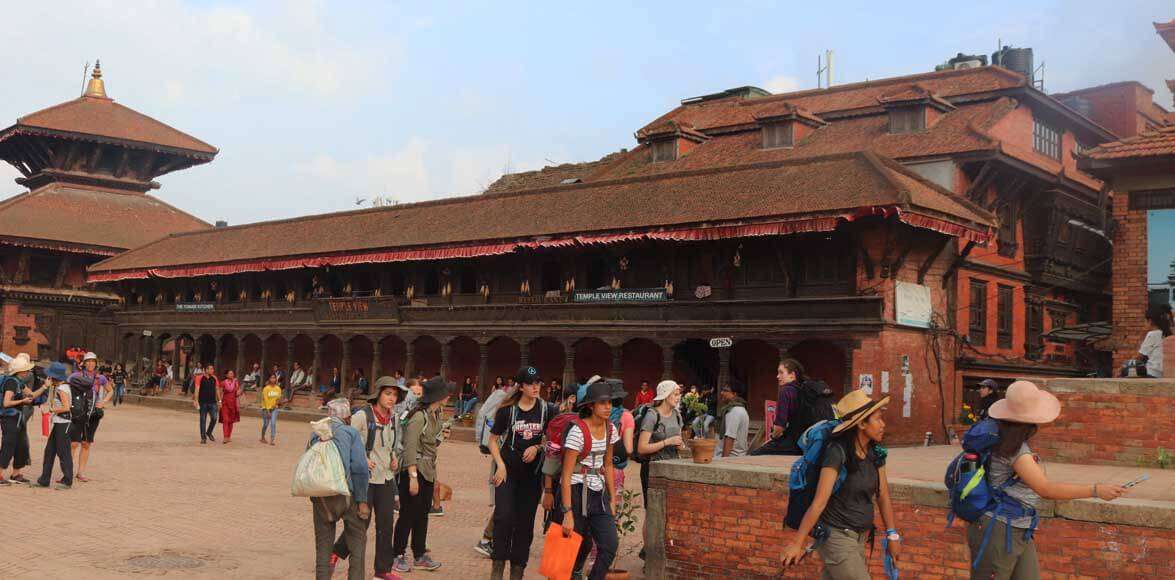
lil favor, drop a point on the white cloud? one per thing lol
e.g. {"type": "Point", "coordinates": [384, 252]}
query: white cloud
{"type": "Point", "coordinates": [782, 84]}
{"type": "Point", "coordinates": [400, 174]}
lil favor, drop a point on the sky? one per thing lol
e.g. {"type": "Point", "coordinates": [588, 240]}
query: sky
{"type": "Point", "coordinates": [316, 106]}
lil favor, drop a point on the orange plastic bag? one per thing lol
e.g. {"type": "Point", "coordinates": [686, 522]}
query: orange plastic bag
{"type": "Point", "coordinates": [559, 553]}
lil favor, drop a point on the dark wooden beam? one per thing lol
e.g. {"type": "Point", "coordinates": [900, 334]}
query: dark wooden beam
{"type": "Point", "coordinates": [981, 180]}
{"type": "Point", "coordinates": [946, 277]}
{"type": "Point", "coordinates": [120, 168]}
{"type": "Point", "coordinates": [95, 156]}
{"type": "Point", "coordinates": [932, 258]}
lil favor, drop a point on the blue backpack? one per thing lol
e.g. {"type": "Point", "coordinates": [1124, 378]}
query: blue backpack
{"type": "Point", "coordinates": [9, 411]}
{"type": "Point", "coordinates": [805, 472]}
{"type": "Point", "coordinates": [971, 492]}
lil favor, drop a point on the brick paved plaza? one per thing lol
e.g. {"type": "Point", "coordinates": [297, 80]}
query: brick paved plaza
{"type": "Point", "coordinates": [159, 503]}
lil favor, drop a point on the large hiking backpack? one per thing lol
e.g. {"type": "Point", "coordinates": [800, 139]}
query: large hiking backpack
{"type": "Point", "coordinates": [638, 417]}
{"type": "Point", "coordinates": [485, 419]}
{"type": "Point", "coordinates": [805, 472]}
{"type": "Point", "coordinates": [971, 492]}
{"type": "Point", "coordinates": [814, 402]}
{"type": "Point", "coordinates": [556, 436]}
{"type": "Point", "coordinates": [81, 398]}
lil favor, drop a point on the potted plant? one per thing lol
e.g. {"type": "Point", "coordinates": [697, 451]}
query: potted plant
{"type": "Point", "coordinates": [466, 420]}
{"type": "Point", "coordinates": [626, 507]}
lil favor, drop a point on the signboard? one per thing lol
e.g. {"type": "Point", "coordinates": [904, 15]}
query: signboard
{"type": "Point", "coordinates": [194, 306]}
{"type": "Point", "coordinates": [147, 333]}
{"type": "Point", "coordinates": [865, 383]}
{"type": "Point", "coordinates": [912, 304]}
{"type": "Point", "coordinates": [724, 342]}
{"type": "Point", "coordinates": [626, 295]}
{"type": "Point", "coordinates": [359, 309]}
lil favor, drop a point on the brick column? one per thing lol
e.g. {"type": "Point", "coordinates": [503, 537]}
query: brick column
{"type": "Point", "coordinates": [568, 363]}
{"type": "Point", "coordinates": [1129, 279]}
{"type": "Point", "coordinates": [446, 354]}
{"type": "Point", "coordinates": [617, 360]}
{"type": "Point", "coordinates": [317, 363]}
{"type": "Point", "coordinates": [240, 364]}
{"type": "Point", "coordinates": [524, 352]}
{"type": "Point", "coordinates": [724, 367]}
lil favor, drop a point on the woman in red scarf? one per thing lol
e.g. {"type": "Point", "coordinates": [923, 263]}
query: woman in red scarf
{"type": "Point", "coordinates": [230, 410]}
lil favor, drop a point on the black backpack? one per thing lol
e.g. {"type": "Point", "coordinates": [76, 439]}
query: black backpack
{"type": "Point", "coordinates": [815, 402]}
{"type": "Point", "coordinates": [639, 418]}
{"type": "Point", "coordinates": [81, 401]}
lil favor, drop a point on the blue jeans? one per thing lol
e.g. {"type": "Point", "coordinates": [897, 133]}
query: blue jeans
{"type": "Point", "coordinates": [119, 392]}
{"type": "Point", "coordinates": [466, 406]}
{"type": "Point", "coordinates": [207, 410]}
{"type": "Point", "coordinates": [269, 421]}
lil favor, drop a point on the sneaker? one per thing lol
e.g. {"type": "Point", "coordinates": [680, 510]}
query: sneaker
{"type": "Point", "coordinates": [485, 548]}
{"type": "Point", "coordinates": [401, 565]}
{"type": "Point", "coordinates": [386, 576]}
{"type": "Point", "coordinates": [203, 442]}
{"type": "Point", "coordinates": [62, 486]}
{"type": "Point", "coordinates": [5, 481]}
{"type": "Point", "coordinates": [19, 478]}
{"type": "Point", "coordinates": [426, 563]}
{"type": "Point", "coordinates": [334, 562]}
{"type": "Point", "coordinates": [211, 438]}
{"type": "Point", "coordinates": [436, 512]}
{"type": "Point", "coordinates": [38, 485]}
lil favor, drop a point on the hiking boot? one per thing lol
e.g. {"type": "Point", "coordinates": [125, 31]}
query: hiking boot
{"type": "Point", "coordinates": [426, 563]}
{"type": "Point", "coordinates": [517, 572]}
{"type": "Point", "coordinates": [5, 481]}
{"type": "Point", "coordinates": [485, 548]}
{"type": "Point", "coordinates": [401, 565]}
{"type": "Point", "coordinates": [498, 570]}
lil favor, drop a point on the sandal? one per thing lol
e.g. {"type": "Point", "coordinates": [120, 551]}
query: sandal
{"type": "Point", "coordinates": [82, 478]}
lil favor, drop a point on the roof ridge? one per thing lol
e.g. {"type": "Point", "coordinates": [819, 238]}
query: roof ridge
{"type": "Point", "coordinates": [893, 165]}
{"type": "Point", "coordinates": [881, 83]}
{"type": "Point", "coordinates": [169, 127]}
{"type": "Point", "coordinates": [874, 160]}
{"type": "Point", "coordinates": [49, 108]}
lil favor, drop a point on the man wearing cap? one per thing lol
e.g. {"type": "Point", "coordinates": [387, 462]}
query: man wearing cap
{"type": "Point", "coordinates": [91, 389]}
{"type": "Point", "coordinates": [483, 425]}
{"type": "Point", "coordinates": [988, 395]}
{"type": "Point", "coordinates": [16, 393]}
{"type": "Point", "coordinates": [733, 424]}
{"type": "Point", "coordinates": [58, 444]}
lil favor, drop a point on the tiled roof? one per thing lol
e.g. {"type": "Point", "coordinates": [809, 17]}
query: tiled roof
{"type": "Point", "coordinates": [1158, 143]}
{"type": "Point", "coordinates": [91, 219]}
{"type": "Point", "coordinates": [102, 117]}
{"type": "Point", "coordinates": [833, 186]}
{"type": "Point", "coordinates": [551, 174]}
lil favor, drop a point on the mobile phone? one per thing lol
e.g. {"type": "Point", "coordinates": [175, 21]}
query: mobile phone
{"type": "Point", "coordinates": [1136, 481]}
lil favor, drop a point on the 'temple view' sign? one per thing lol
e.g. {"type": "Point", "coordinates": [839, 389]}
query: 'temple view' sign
{"type": "Point", "coordinates": [626, 295]}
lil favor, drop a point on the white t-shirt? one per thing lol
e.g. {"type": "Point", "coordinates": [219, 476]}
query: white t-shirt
{"type": "Point", "coordinates": [737, 423]}
{"type": "Point", "coordinates": [1152, 347]}
{"type": "Point", "coordinates": [56, 403]}
{"type": "Point", "coordinates": [574, 442]}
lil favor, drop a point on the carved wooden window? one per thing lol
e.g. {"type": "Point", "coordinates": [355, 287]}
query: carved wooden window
{"type": "Point", "coordinates": [977, 319]}
{"type": "Point", "coordinates": [907, 120]}
{"type": "Point", "coordinates": [777, 135]}
{"type": "Point", "coordinates": [1057, 318]}
{"type": "Point", "coordinates": [825, 269]}
{"type": "Point", "coordinates": [664, 150]}
{"type": "Point", "coordinates": [1006, 236]}
{"type": "Point", "coordinates": [1004, 316]}
{"type": "Point", "coordinates": [1034, 323]}
{"type": "Point", "coordinates": [1046, 139]}
{"type": "Point", "coordinates": [21, 335]}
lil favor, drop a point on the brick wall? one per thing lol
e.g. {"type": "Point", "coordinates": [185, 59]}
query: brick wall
{"type": "Point", "coordinates": [11, 316]}
{"type": "Point", "coordinates": [1129, 279]}
{"type": "Point", "coordinates": [724, 531]}
{"type": "Point", "coordinates": [1102, 421]}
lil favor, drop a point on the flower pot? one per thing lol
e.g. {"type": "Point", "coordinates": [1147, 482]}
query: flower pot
{"type": "Point", "coordinates": [617, 575]}
{"type": "Point", "coordinates": [467, 421]}
{"type": "Point", "coordinates": [702, 450]}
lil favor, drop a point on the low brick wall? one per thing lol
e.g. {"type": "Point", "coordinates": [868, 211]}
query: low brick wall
{"type": "Point", "coordinates": [1109, 421]}
{"type": "Point", "coordinates": [726, 521]}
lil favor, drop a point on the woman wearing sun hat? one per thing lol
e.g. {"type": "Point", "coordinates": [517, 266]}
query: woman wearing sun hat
{"type": "Point", "coordinates": [845, 517]}
{"type": "Point", "coordinates": [1019, 414]}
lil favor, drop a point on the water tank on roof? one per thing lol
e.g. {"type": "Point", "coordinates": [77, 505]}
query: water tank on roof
{"type": "Point", "coordinates": [1079, 104]}
{"type": "Point", "coordinates": [1015, 59]}
{"type": "Point", "coordinates": [967, 61]}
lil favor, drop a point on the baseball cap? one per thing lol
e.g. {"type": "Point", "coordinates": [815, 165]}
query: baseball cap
{"type": "Point", "coordinates": [527, 375]}
{"type": "Point", "coordinates": [664, 389]}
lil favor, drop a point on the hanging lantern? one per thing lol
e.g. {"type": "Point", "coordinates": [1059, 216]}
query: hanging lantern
{"type": "Point", "coordinates": [624, 263]}
{"type": "Point", "coordinates": [738, 256]}
{"type": "Point", "coordinates": [410, 293]}
{"type": "Point", "coordinates": [669, 287]}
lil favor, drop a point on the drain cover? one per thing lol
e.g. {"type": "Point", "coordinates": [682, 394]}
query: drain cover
{"type": "Point", "coordinates": [165, 561]}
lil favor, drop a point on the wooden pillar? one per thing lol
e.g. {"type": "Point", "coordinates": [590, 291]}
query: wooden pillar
{"type": "Point", "coordinates": [618, 361]}
{"type": "Point", "coordinates": [483, 370]}
{"type": "Point", "coordinates": [568, 363]}
{"type": "Point", "coordinates": [239, 366]}
{"type": "Point", "coordinates": [218, 356]}
{"type": "Point", "coordinates": [724, 368]}
{"type": "Point", "coordinates": [410, 359]}
{"type": "Point", "coordinates": [345, 367]}
{"type": "Point", "coordinates": [317, 362]}
{"type": "Point", "coordinates": [524, 352]}
{"type": "Point", "coordinates": [377, 352]}
{"type": "Point", "coordinates": [667, 361]}
{"type": "Point", "coordinates": [289, 357]}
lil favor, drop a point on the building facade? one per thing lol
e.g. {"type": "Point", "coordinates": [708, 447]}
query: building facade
{"type": "Point", "coordinates": [88, 164]}
{"type": "Point", "coordinates": [906, 235]}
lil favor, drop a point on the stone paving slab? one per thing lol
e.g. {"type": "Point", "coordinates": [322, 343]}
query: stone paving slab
{"type": "Point", "coordinates": [161, 504]}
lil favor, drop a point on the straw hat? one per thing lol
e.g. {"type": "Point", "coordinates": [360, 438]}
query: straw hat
{"type": "Point", "coordinates": [20, 363]}
{"type": "Point", "coordinates": [1026, 403]}
{"type": "Point", "coordinates": [856, 407]}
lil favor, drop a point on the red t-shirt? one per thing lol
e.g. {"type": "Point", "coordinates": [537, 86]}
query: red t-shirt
{"type": "Point", "coordinates": [644, 397]}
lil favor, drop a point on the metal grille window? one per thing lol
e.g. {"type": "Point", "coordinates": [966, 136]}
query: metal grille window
{"type": "Point", "coordinates": [1004, 317]}
{"type": "Point", "coordinates": [777, 135]}
{"type": "Point", "coordinates": [977, 320]}
{"type": "Point", "coordinates": [1046, 139]}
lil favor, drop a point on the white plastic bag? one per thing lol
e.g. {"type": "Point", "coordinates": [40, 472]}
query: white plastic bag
{"type": "Point", "coordinates": [320, 470]}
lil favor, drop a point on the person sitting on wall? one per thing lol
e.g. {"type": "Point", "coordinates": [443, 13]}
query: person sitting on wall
{"type": "Point", "coordinates": [801, 404]}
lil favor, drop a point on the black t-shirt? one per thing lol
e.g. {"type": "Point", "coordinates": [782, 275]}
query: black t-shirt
{"type": "Point", "coordinates": [527, 431]}
{"type": "Point", "coordinates": [851, 507]}
{"type": "Point", "coordinates": [207, 390]}
{"type": "Point", "coordinates": [11, 384]}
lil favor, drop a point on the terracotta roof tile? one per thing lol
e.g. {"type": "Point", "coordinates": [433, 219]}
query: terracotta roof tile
{"type": "Point", "coordinates": [102, 117]}
{"type": "Point", "coordinates": [551, 175]}
{"type": "Point", "coordinates": [1160, 142]}
{"type": "Point", "coordinates": [85, 217]}
{"type": "Point", "coordinates": [823, 186]}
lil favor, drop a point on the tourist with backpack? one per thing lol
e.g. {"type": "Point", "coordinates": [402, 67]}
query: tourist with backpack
{"type": "Point", "coordinates": [423, 434]}
{"type": "Point", "coordinates": [352, 509]}
{"type": "Point", "coordinates": [91, 392]}
{"type": "Point", "coordinates": [588, 494]}
{"type": "Point", "coordinates": [516, 447]}
{"type": "Point", "coordinates": [842, 475]}
{"type": "Point", "coordinates": [659, 427]}
{"type": "Point", "coordinates": [16, 394]}
{"type": "Point", "coordinates": [380, 433]}
{"type": "Point", "coordinates": [802, 403]}
{"type": "Point", "coordinates": [57, 447]}
{"type": "Point", "coordinates": [1000, 501]}
{"type": "Point", "coordinates": [483, 425]}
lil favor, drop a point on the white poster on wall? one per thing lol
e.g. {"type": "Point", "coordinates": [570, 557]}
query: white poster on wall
{"type": "Point", "coordinates": [885, 382]}
{"type": "Point", "coordinates": [907, 394]}
{"type": "Point", "coordinates": [865, 383]}
{"type": "Point", "coordinates": [912, 304]}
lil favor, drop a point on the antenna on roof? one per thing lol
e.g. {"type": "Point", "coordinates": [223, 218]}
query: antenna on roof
{"type": "Point", "coordinates": [85, 73]}
{"type": "Point", "coordinates": [824, 70]}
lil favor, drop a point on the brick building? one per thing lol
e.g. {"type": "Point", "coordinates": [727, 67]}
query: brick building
{"type": "Point", "coordinates": [88, 164]}
{"type": "Point", "coordinates": [866, 229]}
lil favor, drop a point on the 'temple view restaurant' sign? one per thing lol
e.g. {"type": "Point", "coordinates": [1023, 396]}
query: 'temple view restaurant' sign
{"type": "Point", "coordinates": [623, 295]}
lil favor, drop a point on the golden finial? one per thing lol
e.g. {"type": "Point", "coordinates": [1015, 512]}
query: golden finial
{"type": "Point", "coordinates": [96, 88]}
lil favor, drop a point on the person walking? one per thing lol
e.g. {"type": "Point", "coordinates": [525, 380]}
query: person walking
{"type": "Point", "coordinates": [57, 447]}
{"type": "Point", "coordinates": [118, 376]}
{"type": "Point", "coordinates": [206, 398]}
{"type": "Point", "coordinates": [423, 433]}
{"type": "Point", "coordinates": [733, 424]}
{"type": "Point", "coordinates": [271, 396]}
{"type": "Point", "coordinates": [659, 435]}
{"type": "Point", "coordinates": [380, 433]}
{"type": "Point", "coordinates": [91, 392]}
{"type": "Point", "coordinates": [842, 520]}
{"type": "Point", "coordinates": [588, 493]}
{"type": "Point", "coordinates": [1019, 415]}
{"type": "Point", "coordinates": [353, 510]}
{"type": "Point", "coordinates": [15, 392]}
{"type": "Point", "coordinates": [483, 432]}
{"type": "Point", "coordinates": [230, 408]}
{"type": "Point", "coordinates": [515, 444]}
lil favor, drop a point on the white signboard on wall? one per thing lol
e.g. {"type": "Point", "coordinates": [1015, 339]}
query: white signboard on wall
{"type": "Point", "coordinates": [912, 304]}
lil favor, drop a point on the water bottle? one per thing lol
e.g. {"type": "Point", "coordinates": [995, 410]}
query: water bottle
{"type": "Point", "coordinates": [970, 463]}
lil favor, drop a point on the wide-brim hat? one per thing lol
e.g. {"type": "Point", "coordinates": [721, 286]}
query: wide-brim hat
{"type": "Point", "coordinates": [20, 363]}
{"type": "Point", "coordinates": [855, 407]}
{"type": "Point", "coordinates": [596, 392]}
{"type": "Point", "coordinates": [57, 371]}
{"type": "Point", "coordinates": [435, 389]}
{"type": "Point", "coordinates": [380, 386]}
{"type": "Point", "coordinates": [1026, 403]}
{"type": "Point", "coordinates": [664, 389]}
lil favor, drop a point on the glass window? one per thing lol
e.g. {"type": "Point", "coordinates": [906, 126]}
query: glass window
{"type": "Point", "coordinates": [907, 120]}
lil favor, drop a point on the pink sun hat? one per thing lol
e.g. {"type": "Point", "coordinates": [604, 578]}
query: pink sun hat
{"type": "Point", "coordinates": [1026, 403]}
